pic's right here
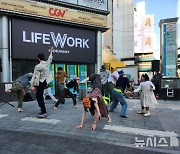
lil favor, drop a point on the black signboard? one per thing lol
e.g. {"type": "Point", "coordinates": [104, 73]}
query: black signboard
{"type": "Point", "coordinates": [70, 44]}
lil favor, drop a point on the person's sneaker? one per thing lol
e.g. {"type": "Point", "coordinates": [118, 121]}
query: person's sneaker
{"type": "Point", "coordinates": [141, 112]}
{"type": "Point", "coordinates": [20, 110]}
{"type": "Point", "coordinates": [75, 106]}
{"type": "Point", "coordinates": [147, 114]}
{"type": "Point", "coordinates": [43, 115]}
{"type": "Point", "coordinates": [124, 116]}
{"type": "Point", "coordinates": [55, 108]}
{"type": "Point", "coordinates": [55, 101]}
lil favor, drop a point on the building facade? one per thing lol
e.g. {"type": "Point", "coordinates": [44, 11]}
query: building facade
{"type": "Point", "coordinates": [73, 27]}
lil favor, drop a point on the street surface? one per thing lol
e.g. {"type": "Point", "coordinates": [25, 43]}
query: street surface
{"type": "Point", "coordinates": [24, 133]}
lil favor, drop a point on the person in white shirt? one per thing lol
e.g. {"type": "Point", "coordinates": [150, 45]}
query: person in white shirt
{"type": "Point", "coordinates": [104, 73]}
{"type": "Point", "coordinates": [147, 97]}
{"type": "Point", "coordinates": [41, 78]}
{"type": "Point", "coordinates": [111, 83]}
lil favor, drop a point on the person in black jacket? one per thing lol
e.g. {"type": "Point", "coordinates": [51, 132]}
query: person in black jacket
{"type": "Point", "coordinates": [71, 84]}
{"type": "Point", "coordinates": [118, 91]}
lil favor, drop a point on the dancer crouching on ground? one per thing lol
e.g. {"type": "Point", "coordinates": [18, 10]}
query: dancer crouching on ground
{"type": "Point", "coordinates": [94, 102]}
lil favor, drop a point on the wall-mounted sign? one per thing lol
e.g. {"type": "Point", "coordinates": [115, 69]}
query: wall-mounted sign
{"type": "Point", "coordinates": [95, 4]}
{"type": "Point", "coordinates": [38, 9]}
{"type": "Point", "coordinates": [170, 49]}
{"type": "Point", "coordinates": [70, 44]}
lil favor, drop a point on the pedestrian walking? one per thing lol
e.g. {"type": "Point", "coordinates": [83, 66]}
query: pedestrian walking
{"type": "Point", "coordinates": [41, 78]}
{"type": "Point", "coordinates": [61, 80]}
{"type": "Point", "coordinates": [71, 84]}
{"type": "Point", "coordinates": [147, 97]}
{"type": "Point", "coordinates": [94, 103]}
{"type": "Point", "coordinates": [118, 96]}
{"type": "Point", "coordinates": [19, 86]}
{"type": "Point", "coordinates": [104, 73]}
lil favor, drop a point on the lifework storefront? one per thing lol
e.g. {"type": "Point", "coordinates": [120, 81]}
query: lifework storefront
{"type": "Point", "coordinates": [74, 47]}
{"type": "Point", "coordinates": [31, 27]}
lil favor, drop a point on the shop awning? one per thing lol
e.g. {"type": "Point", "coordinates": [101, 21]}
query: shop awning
{"type": "Point", "coordinates": [108, 57]}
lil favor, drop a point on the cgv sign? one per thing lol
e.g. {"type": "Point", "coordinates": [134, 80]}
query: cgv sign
{"type": "Point", "coordinates": [57, 12]}
{"type": "Point", "coordinates": [70, 44]}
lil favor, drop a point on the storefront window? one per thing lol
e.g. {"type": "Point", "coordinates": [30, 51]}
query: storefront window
{"type": "Point", "coordinates": [21, 67]}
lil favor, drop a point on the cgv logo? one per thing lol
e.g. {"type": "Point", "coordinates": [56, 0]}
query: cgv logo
{"type": "Point", "coordinates": [57, 12]}
{"type": "Point", "coordinates": [58, 40]}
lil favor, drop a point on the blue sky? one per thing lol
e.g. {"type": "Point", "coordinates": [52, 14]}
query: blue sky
{"type": "Point", "coordinates": [162, 9]}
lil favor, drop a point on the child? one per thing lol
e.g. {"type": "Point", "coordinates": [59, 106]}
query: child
{"type": "Point", "coordinates": [147, 97]}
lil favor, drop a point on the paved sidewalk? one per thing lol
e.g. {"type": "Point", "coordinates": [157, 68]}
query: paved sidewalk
{"type": "Point", "coordinates": [155, 133]}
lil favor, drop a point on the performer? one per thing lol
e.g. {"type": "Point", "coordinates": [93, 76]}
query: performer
{"type": "Point", "coordinates": [94, 102]}
{"type": "Point", "coordinates": [41, 78]}
{"type": "Point", "coordinates": [19, 86]}
{"type": "Point", "coordinates": [72, 84]}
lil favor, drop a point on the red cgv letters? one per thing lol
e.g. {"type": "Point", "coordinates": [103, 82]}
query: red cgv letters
{"type": "Point", "coordinates": [57, 12]}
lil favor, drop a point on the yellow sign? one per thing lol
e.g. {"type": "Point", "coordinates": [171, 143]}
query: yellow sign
{"type": "Point", "coordinates": [43, 10]}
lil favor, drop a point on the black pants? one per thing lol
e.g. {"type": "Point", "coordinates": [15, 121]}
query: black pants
{"type": "Point", "coordinates": [157, 89]}
{"type": "Point", "coordinates": [39, 95]}
{"type": "Point", "coordinates": [62, 100]}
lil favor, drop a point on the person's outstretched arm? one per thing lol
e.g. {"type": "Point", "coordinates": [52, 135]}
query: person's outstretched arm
{"type": "Point", "coordinates": [50, 55]}
{"type": "Point", "coordinates": [84, 81]}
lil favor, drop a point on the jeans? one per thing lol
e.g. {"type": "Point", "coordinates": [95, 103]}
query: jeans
{"type": "Point", "coordinates": [39, 95]}
{"type": "Point", "coordinates": [60, 88]}
{"type": "Point", "coordinates": [118, 97]}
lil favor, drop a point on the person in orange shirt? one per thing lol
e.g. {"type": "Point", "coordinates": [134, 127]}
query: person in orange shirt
{"type": "Point", "coordinates": [61, 79]}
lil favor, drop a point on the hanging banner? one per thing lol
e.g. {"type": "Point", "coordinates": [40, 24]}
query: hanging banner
{"type": "Point", "coordinates": [82, 74]}
{"type": "Point", "coordinates": [72, 72]}
{"type": "Point", "coordinates": [52, 83]}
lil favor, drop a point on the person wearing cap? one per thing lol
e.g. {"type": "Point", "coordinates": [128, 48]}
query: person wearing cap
{"type": "Point", "coordinates": [71, 84]}
{"type": "Point", "coordinates": [104, 73]}
{"type": "Point", "coordinates": [19, 86]}
{"type": "Point", "coordinates": [118, 91]}
{"type": "Point", "coordinates": [123, 81]}
{"type": "Point", "coordinates": [94, 103]}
